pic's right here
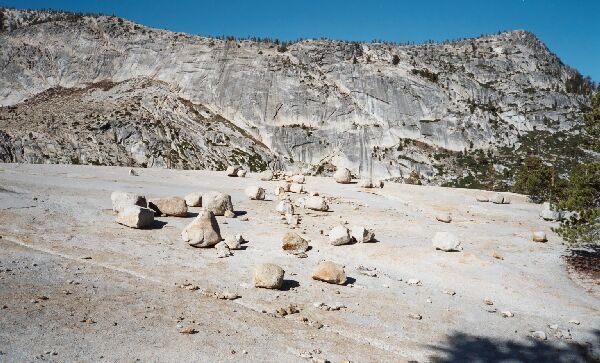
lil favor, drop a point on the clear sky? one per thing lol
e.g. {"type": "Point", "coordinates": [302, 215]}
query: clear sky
{"type": "Point", "coordinates": [570, 28]}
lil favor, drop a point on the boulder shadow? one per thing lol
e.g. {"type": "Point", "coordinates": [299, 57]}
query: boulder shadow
{"type": "Point", "coordinates": [289, 284]}
{"type": "Point", "coordinates": [349, 280]}
{"type": "Point", "coordinates": [240, 213]}
{"type": "Point", "coordinates": [156, 224]}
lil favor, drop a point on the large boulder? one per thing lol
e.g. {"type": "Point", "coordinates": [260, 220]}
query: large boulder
{"type": "Point", "coordinates": [296, 188]}
{"type": "Point", "coordinates": [330, 272]}
{"type": "Point", "coordinates": [169, 206]}
{"type": "Point", "coordinates": [217, 202]}
{"type": "Point", "coordinates": [242, 173]}
{"type": "Point", "coordinates": [255, 192]}
{"type": "Point", "coordinates": [342, 176]}
{"type": "Point", "coordinates": [362, 235]}
{"type": "Point", "coordinates": [339, 235]}
{"type": "Point", "coordinates": [121, 200]}
{"type": "Point", "coordinates": [293, 243]}
{"type": "Point", "coordinates": [299, 179]}
{"type": "Point", "coordinates": [194, 199]}
{"type": "Point", "coordinates": [548, 214]}
{"type": "Point", "coordinates": [233, 170]}
{"type": "Point", "coordinates": [266, 175]}
{"type": "Point", "coordinates": [203, 231]}
{"type": "Point", "coordinates": [135, 216]}
{"type": "Point", "coordinates": [285, 207]}
{"type": "Point", "coordinates": [446, 241]}
{"type": "Point", "coordinates": [366, 183]}
{"type": "Point", "coordinates": [316, 203]}
{"type": "Point", "coordinates": [268, 276]}
{"type": "Point", "coordinates": [499, 198]}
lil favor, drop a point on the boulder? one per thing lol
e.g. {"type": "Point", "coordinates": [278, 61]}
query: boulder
{"type": "Point", "coordinates": [285, 207]}
{"type": "Point", "coordinates": [255, 192]}
{"type": "Point", "coordinates": [362, 235]}
{"type": "Point", "coordinates": [292, 220]}
{"type": "Point", "coordinates": [229, 214]}
{"type": "Point", "coordinates": [169, 206]}
{"type": "Point", "coordinates": [368, 183]}
{"type": "Point", "coordinates": [499, 198]}
{"type": "Point", "coordinates": [300, 202]}
{"type": "Point", "coordinates": [342, 176]}
{"type": "Point", "coordinates": [121, 200]}
{"type": "Point", "coordinates": [234, 242]}
{"type": "Point", "coordinates": [339, 235]}
{"type": "Point", "coordinates": [299, 179]}
{"type": "Point", "coordinates": [203, 231]}
{"type": "Point", "coordinates": [548, 214]}
{"type": "Point", "coordinates": [378, 184]}
{"type": "Point", "coordinates": [279, 191]}
{"type": "Point", "coordinates": [446, 241]}
{"type": "Point", "coordinates": [293, 243]}
{"type": "Point", "coordinates": [217, 202]}
{"type": "Point", "coordinates": [135, 216]}
{"type": "Point", "coordinates": [266, 175]}
{"type": "Point", "coordinates": [444, 217]}
{"type": "Point", "coordinates": [296, 188]}
{"type": "Point", "coordinates": [482, 198]}
{"type": "Point", "coordinates": [233, 170]}
{"type": "Point", "coordinates": [268, 276]}
{"type": "Point", "coordinates": [223, 250]}
{"type": "Point", "coordinates": [241, 173]}
{"type": "Point", "coordinates": [316, 203]}
{"type": "Point", "coordinates": [330, 272]}
{"type": "Point", "coordinates": [285, 185]}
{"type": "Point", "coordinates": [539, 236]}
{"type": "Point", "coordinates": [194, 199]}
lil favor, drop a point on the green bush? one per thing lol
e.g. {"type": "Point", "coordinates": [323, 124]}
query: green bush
{"type": "Point", "coordinates": [536, 180]}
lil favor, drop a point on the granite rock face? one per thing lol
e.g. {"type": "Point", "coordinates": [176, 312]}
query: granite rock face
{"type": "Point", "coordinates": [123, 94]}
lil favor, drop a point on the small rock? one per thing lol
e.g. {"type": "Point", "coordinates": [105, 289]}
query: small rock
{"type": "Point", "coordinates": [330, 272]}
{"type": "Point", "coordinates": [268, 275]}
{"type": "Point", "coordinates": [296, 188]}
{"type": "Point", "coordinates": [299, 179]}
{"type": "Point", "coordinates": [233, 170]}
{"type": "Point", "coordinates": [285, 207]}
{"type": "Point", "coordinates": [482, 198]}
{"type": "Point", "coordinates": [450, 292]}
{"type": "Point", "coordinates": [132, 172]}
{"type": "Point", "coordinates": [203, 231]}
{"type": "Point", "coordinates": [342, 176]}
{"type": "Point", "coordinates": [234, 243]}
{"type": "Point", "coordinates": [368, 183]}
{"type": "Point", "coordinates": [229, 214]}
{"type": "Point", "coordinates": [553, 326]}
{"type": "Point", "coordinates": [266, 175]}
{"type": "Point", "coordinates": [539, 335]}
{"type": "Point", "coordinates": [573, 321]}
{"type": "Point", "coordinates": [292, 220]}
{"type": "Point", "coordinates": [445, 217]}
{"type": "Point", "coordinates": [488, 302]}
{"type": "Point", "coordinates": [169, 206]}
{"type": "Point", "coordinates": [293, 243]}
{"type": "Point", "coordinates": [499, 198]}
{"type": "Point", "coordinates": [194, 199]}
{"type": "Point", "coordinates": [339, 235]}
{"type": "Point", "coordinates": [223, 250]}
{"type": "Point", "coordinates": [255, 193]}
{"type": "Point", "coordinates": [446, 241]}
{"type": "Point", "coordinates": [225, 295]}
{"type": "Point", "coordinates": [217, 202]}
{"type": "Point", "coordinates": [362, 235]}
{"type": "Point", "coordinates": [188, 331]}
{"type": "Point", "coordinates": [548, 214]}
{"type": "Point", "coordinates": [414, 282]}
{"type": "Point", "coordinates": [241, 173]}
{"type": "Point", "coordinates": [367, 271]}
{"type": "Point", "coordinates": [507, 314]}
{"type": "Point", "coordinates": [285, 185]}
{"type": "Point", "coordinates": [539, 236]}
{"type": "Point", "coordinates": [135, 217]}
{"type": "Point", "coordinates": [415, 316]}
{"type": "Point", "coordinates": [316, 203]}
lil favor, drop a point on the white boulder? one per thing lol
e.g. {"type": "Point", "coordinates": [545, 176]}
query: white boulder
{"type": "Point", "coordinates": [194, 199]}
{"type": "Point", "coordinates": [316, 203]}
{"type": "Point", "coordinates": [203, 231]}
{"type": "Point", "coordinates": [362, 235]}
{"type": "Point", "coordinates": [217, 203]}
{"type": "Point", "coordinates": [342, 176]}
{"type": "Point", "coordinates": [446, 241]}
{"type": "Point", "coordinates": [339, 235]}
{"type": "Point", "coordinates": [121, 200]}
{"type": "Point", "coordinates": [255, 192]}
{"type": "Point", "coordinates": [135, 216]}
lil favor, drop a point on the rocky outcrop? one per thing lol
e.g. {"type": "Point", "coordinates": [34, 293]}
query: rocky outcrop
{"type": "Point", "coordinates": [123, 94]}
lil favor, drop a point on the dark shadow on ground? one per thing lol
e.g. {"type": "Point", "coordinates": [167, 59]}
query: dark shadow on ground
{"type": "Point", "coordinates": [289, 284]}
{"type": "Point", "coordinates": [240, 213]}
{"type": "Point", "coordinates": [157, 224]}
{"type": "Point", "coordinates": [461, 347]}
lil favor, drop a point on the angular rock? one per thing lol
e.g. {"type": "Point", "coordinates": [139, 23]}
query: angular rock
{"type": "Point", "coordinates": [499, 198]}
{"type": "Point", "coordinates": [229, 214]}
{"type": "Point", "coordinates": [292, 220]}
{"type": "Point", "coordinates": [296, 188]}
{"type": "Point", "coordinates": [285, 185]}
{"type": "Point", "coordinates": [293, 243]}
{"type": "Point", "coordinates": [169, 206]}
{"type": "Point", "coordinates": [255, 192]}
{"type": "Point", "coordinates": [135, 216]}
{"type": "Point", "coordinates": [444, 217]}
{"type": "Point", "coordinates": [316, 203]}
{"type": "Point", "coordinates": [446, 241]}
{"type": "Point", "coordinates": [266, 175]}
{"type": "Point", "coordinates": [361, 234]}
{"type": "Point", "coordinates": [298, 179]}
{"type": "Point", "coordinates": [539, 236]}
{"type": "Point", "coordinates": [232, 170]}
{"type": "Point", "coordinates": [121, 200]}
{"type": "Point", "coordinates": [194, 199]}
{"type": "Point", "coordinates": [548, 214]}
{"type": "Point", "coordinates": [241, 173]}
{"type": "Point", "coordinates": [330, 272]}
{"type": "Point", "coordinates": [285, 207]}
{"type": "Point", "coordinates": [339, 235]}
{"type": "Point", "coordinates": [268, 276]}
{"type": "Point", "coordinates": [482, 198]}
{"type": "Point", "coordinates": [217, 202]}
{"type": "Point", "coordinates": [234, 242]}
{"type": "Point", "coordinates": [203, 231]}
{"type": "Point", "coordinates": [300, 202]}
{"type": "Point", "coordinates": [223, 250]}
{"type": "Point", "coordinates": [279, 191]}
{"type": "Point", "coordinates": [342, 176]}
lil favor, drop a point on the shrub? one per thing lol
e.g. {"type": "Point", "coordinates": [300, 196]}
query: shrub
{"type": "Point", "coordinates": [395, 59]}
{"type": "Point", "coordinates": [535, 179]}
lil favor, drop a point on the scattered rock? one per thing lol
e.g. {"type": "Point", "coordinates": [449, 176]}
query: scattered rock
{"type": "Point", "coordinates": [450, 292]}
{"type": "Point", "coordinates": [121, 200]}
{"type": "Point", "coordinates": [499, 198]}
{"type": "Point", "coordinates": [229, 214]}
{"type": "Point", "coordinates": [194, 199]}
{"type": "Point", "coordinates": [287, 310]}
{"type": "Point", "coordinates": [188, 331]}
{"type": "Point", "coordinates": [488, 302]}
{"type": "Point", "coordinates": [339, 235]}
{"type": "Point", "coordinates": [255, 193]}
{"type": "Point", "coordinates": [497, 255]}
{"type": "Point", "coordinates": [293, 243]}
{"type": "Point", "coordinates": [268, 275]}
{"type": "Point", "coordinates": [507, 314]}
{"type": "Point", "coordinates": [367, 271]}
{"type": "Point", "coordinates": [279, 191]}
{"type": "Point", "coordinates": [241, 173]}
{"type": "Point", "coordinates": [539, 335]}
{"type": "Point", "coordinates": [342, 176]}
{"type": "Point", "coordinates": [415, 316]}
{"type": "Point", "coordinates": [223, 250]}
{"type": "Point", "coordinates": [368, 183]}
{"type": "Point", "coordinates": [446, 241]}
{"type": "Point", "coordinates": [329, 307]}
{"type": "Point", "coordinates": [285, 185]}
{"type": "Point", "coordinates": [135, 216]}
{"type": "Point", "coordinates": [362, 235]}
{"type": "Point", "coordinates": [416, 282]}
{"type": "Point", "coordinates": [296, 188]}
{"type": "Point", "coordinates": [299, 179]}
{"type": "Point", "coordinates": [300, 202]}
{"type": "Point", "coordinates": [292, 219]}
{"type": "Point", "coordinates": [203, 231]}
{"type": "Point", "coordinates": [539, 236]}
{"type": "Point", "coordinates": [132, 172]}
{"type": "Point", "coordinates": [285, 207]}
{"type": "Point", "coordinates": [225, 295]}
{"type": "Point", "coordinates": [169, 206]}
{"type": "Point", "coordinates": [548, 214]}
{"type": "Point", "coordinates": [266, 175]}
{"type": "Point", "coordinates": [316, 203]}
{"type": "Point", "coordinates": [235, 242]}
{"type": "Point", "coordinates": [573, 321]}
{"type": "Point", "coordinates": [445, 217]}
{"type": "Point", "coordinates": [482, 198]}
{"type": "Point", "coordinates": [217, 202]}
{"type": "Point", "coordinates": [378, 184]}
{"type": "Point", "coordinates": [330, 272]}
{"type": "Point", "coordinates": [233, 170]}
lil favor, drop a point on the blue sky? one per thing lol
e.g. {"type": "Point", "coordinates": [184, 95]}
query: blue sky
{"type": "Point", "coordinates": [571, 29]}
